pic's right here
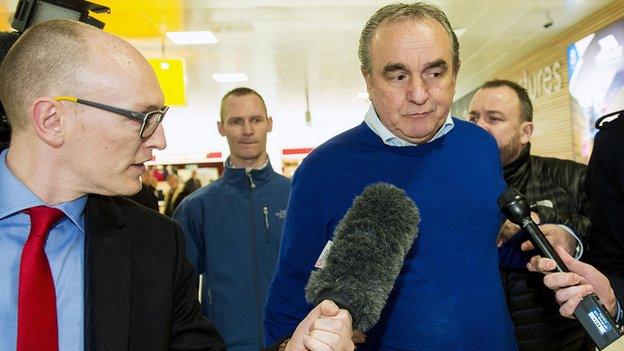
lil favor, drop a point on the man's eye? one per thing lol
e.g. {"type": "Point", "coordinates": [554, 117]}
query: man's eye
{"type": "Point", "coordinates": [435, 73]}
{"type": "Point", "coordinates": [399, 77]}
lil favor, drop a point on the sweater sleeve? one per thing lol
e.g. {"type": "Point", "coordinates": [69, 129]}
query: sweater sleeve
{"type": "Point", "coordinates": [303, 238]}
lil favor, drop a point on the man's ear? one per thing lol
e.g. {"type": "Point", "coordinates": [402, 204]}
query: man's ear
{"type": "Point", "coordinates": [526, 130]}
{"type": "Point", "coordinates": [220, 128]}
{"type": "Point", "coordinates": [270, 120]}
{"type": "Point", "coordinates": [46, 118]}
{"type": "Point", "coordinates": [367, 76]}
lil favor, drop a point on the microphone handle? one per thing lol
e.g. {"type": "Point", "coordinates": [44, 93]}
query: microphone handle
{"type": "Point", "coordinates": [598, 323]}
{"type": "Point", "coordinates": [590, 312]}
{"type": "Point", "coordinates": [539, 241]}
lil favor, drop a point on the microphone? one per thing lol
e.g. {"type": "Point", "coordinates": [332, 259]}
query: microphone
{"type": "Point", "coordinates": [515, 207]}
{"type": "Point", "coordinates": [369, 246]}
{"type": "Point", "coordinates": [590, 312]}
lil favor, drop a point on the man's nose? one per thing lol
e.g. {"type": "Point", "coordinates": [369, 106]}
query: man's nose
{"type": "Point", "coordinates": [417, 92]}
{"type": "Point", "coordinates": [247, 128]}
{"type": "Point", "coordinates": [157, 140]}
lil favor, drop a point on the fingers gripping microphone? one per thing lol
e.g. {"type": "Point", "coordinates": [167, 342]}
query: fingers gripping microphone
{"type": "Point", "coordinates": [590, 312]}
{"type": "Point", "coordinates": [369, 246]}
{"type": "Point", "coordinates": [515, 207]}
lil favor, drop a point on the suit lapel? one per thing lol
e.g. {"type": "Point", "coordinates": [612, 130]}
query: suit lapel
{"type": "Point", "coordinates": [108, 276]}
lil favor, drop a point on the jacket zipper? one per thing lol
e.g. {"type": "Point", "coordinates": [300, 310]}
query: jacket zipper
{"type": "Point", "coordinates": [265, 211]}
{"type": "Point", "coordinates": [254, 256]}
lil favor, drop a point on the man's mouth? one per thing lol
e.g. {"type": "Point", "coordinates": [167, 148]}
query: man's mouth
{"type": "Point", "coordinates": [417, 114]}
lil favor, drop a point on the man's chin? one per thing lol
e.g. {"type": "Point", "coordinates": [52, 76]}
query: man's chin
{"type": "Point", "coordinates": [128, 188]}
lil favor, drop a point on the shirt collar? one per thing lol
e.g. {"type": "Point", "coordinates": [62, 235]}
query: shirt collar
{"type": "Point", "coordinates": [374, 123]}
{"type": "Point", "coordinates": [16, 197]}
{"type": "Point", "coordinates": [228, 164]}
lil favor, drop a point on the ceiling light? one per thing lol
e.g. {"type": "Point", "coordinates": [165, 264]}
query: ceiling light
{"type": "Point", "coordinates": [229, 77]}
{"type": "Point", "coordinates": [192, 38]}
{"type": "Point", "coordinates": [459, 31]}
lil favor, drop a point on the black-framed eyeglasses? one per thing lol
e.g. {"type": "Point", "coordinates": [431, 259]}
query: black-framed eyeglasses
{"type": "Point", "coordinates": [150, 120]}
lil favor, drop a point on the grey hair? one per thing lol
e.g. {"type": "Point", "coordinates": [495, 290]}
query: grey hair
{"type": "Point", "coordinates": [399, 12]}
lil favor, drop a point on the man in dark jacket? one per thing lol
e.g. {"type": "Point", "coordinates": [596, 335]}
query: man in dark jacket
{"type": "Point", "coordinates": [233, 226]}
{"type": "Point", "coordinates": [605, 187]}
{"type": "Point", "coordinates": [82, 267]}
{"type": "Point", "coordinates": [555, 189]}
{"type": "Point", "coordinates": [605, 249]}
{"type": "Point", "coordinates": [6, 41]}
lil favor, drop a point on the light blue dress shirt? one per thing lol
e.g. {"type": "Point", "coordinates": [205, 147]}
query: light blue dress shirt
{"type": "Point", "coordinates": [65, 251]}
{"type": "Point", "coordinates": [374, 123]}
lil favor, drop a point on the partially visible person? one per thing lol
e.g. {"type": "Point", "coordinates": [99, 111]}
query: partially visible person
{"type": "Point", "coordinates": [555, 189]}
{"type": "Point", "coordinates": [7, 39]}
{"type": "Point", "coordinates": [605, 186]}
{"type": "Point", "coordinates": [191, 185]}
{"type": "Point", "coordinates": [449, 294]}
{"type": "Point", "coordinates": [605, 249]}
{"type": "Point", "coordinates": [172, 193]}
{"type": "Point", "coordinates": [147, 195]}
{"type": "Point", "coordinates": [82, 267]}
{"type": "Point", "coordinates": [111, 274]}
{"type": "Point", "coordinates": [234, 225]}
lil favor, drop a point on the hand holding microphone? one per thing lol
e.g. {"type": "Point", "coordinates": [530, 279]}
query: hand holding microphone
{"type": "Point", "coordinates": [590, 311]}
{"type": "Point", "coordinates": [570, 288]}
{"type": "Point", "coordinates": [326, 327]}
{"type": "Point", "coordinates": [369, 246]}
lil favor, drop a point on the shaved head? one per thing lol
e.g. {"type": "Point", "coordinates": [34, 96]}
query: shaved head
{"type": "Point", "coordinates": [68, 58]}
{"type": "Point", "coordinates": [57, 57]}
{"type": "Point", "coordinates": [45, 55]}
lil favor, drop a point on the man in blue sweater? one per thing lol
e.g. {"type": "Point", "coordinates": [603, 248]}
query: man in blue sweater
{"type": "Point", "coordinates": [449, 294]}
{"type": "Point", "coordinates": [233, 226]}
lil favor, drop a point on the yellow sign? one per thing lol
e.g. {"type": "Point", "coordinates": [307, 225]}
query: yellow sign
{"type": "Point", "coordinates": [170, 73]}
{"type": "Point", "coordinates": [141, 18]}
{"type": "Point", "coordinates": [5, 20]}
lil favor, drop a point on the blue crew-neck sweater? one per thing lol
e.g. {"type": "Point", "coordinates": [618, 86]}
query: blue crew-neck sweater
{"type": "Point", "coordinates": [449, 294]}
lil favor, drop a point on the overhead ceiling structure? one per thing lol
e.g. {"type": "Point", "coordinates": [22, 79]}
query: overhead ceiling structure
{"type": "Point", "coordinates": [284, 46]}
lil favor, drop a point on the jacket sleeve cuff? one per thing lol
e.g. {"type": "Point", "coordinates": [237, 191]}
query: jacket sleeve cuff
{"type": "Point", "coordinates": [619, 314]}
{"type": "Point", "coordinates": [579, 245]}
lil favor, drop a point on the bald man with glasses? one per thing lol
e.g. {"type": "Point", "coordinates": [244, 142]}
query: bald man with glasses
{"type": "Point", "coordinates": [82, 268]}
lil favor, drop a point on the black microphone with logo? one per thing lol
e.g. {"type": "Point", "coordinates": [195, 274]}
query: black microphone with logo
{"type": "Point", "coordinates": [590, 312]}
{"type": "Point", "coordinates": [369, 246]}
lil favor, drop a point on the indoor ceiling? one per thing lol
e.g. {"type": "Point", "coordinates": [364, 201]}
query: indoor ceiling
{"type": "Point", "coordinates": [286, 46]}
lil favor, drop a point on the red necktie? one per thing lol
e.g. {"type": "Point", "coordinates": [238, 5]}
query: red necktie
{"type": "Point", "coordinates": [36, 310]}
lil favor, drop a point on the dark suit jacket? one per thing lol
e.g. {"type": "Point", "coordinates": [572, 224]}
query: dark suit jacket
{"type": "Point", "coordinates": [146, 197]}
{"type": "Point", "coordinates": [605, 187]}
{"type": "Point", "coordinates": [140, 291]}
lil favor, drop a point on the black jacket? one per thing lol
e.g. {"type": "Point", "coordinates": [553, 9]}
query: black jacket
{"type": "Point", "coordinates": [605, 186]}
{"type": "Point", "coordinates": [555, 190]}
{"type": "Point", "coordinates": [140, 291]}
